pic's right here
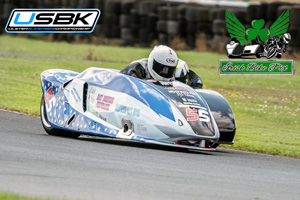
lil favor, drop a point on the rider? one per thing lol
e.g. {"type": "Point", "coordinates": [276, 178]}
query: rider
{"type": "Point", "coordinates": [285, 41]}
{"type": "Point", "coordinates": [187, 76]}
{"type": "Point", "coordinates": [275, 45]}
{"type": "Point", "coordinates": [161, 65]}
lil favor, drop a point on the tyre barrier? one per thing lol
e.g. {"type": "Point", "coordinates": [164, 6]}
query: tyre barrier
{"type": "Point", "coordinates": [163, 13]}
{"type": "Point", "coordinates": [152, 20]}
{"type": "Point", "coordinates": [295, 16]}
{"type": "Point", "coordinates": [126, 6]}
{"type": "Point", "coordinates": [162, 26]}
{"type": "Point", "coordinates": [219, 27]}
{"type": "Point", "coordinates": [125, 20]}
{"type": "Point", "coordinates": [172, 27]}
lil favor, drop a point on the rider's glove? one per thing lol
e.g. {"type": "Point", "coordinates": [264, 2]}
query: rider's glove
{"type": "Point", "coordinates": [197, 83]}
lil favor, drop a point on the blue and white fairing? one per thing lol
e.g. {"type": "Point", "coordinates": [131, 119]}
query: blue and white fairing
{"type": "Point", "coordinates": [106, 103]}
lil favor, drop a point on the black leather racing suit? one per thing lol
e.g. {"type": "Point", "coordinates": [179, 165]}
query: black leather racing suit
{"type": "Point", "coordinates": [138, 69]}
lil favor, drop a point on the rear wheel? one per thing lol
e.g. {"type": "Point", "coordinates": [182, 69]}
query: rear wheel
{"type": "Point", "coordinates": [49, 129]}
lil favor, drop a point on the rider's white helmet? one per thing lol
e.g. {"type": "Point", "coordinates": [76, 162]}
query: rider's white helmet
{"type": "Point", "coordinates": [182, 71]}
{"type": "Point", "coordinates": [287, 37]}
{"type": "Point", "coordinates": [162, 63]}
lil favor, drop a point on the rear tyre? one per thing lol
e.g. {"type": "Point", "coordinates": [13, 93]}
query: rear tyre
{"type": "Point", "coordinates": [49, 129]}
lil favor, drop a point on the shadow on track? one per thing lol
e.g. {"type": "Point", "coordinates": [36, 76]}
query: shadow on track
{"type": "Point", "coordinates": [136, 144]}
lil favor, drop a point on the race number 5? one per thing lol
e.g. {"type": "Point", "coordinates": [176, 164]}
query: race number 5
{"type": "Point", "coordinates": [194, 115]}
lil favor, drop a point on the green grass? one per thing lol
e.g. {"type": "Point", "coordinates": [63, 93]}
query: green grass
{"type": "Point", "coordinates": [267, 108]}
{"type": "Point", "coordinates": [8, 196]}
{"type": "Point", "coordinates": [20, 80]}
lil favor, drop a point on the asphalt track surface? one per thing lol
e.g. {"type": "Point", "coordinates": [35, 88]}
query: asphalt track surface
{"type": "Point", "coordinates": [33, 163]}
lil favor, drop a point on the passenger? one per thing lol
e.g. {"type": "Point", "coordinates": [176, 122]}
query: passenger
{"type": "Point", "coordinates": [187, 76]}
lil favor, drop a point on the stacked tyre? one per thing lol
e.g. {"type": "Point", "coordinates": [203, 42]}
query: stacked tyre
{"type": "Point", "coordinates": [128, 19]}
{"type": "Point", "coordinates": [111, 19]}
{"type": "Point", "coordinates": [148, 20]}
{"type": "Point", "coordinates": [162, 25]}
{"type": "Point", "coordinates": [294, 28]}
{"type": "Point", "coordinates": [197, 20]}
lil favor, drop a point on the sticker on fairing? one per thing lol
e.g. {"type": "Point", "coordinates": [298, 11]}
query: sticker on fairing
{"type": "Point", "coordinates": [197, 114]}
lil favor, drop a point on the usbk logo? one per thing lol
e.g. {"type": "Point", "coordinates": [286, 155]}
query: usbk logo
{"type": "Point", "coordinates": [52, 20]}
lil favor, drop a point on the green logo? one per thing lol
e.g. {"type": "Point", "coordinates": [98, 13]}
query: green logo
{"type": "Point", "coordinates": [258, 67]}
{"type": "Point", "coordinates": [257, 32]}
{"type": "Point", "coordinates": [257, 41]}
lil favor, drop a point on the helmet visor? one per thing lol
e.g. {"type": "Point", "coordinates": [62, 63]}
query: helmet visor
{"type": "Point", "coordinates": [163, 70]}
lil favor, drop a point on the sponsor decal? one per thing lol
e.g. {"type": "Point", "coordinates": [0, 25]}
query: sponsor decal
{"type": "Point", "coordinates": [91, 99]}
{"type": "Point", "coordinates": [101, 117]}
{"type": "Point", "coordinates": [104, 102]}
{"type": "Point", "coordinates": [75, 94]}
{"type": "Point", "coordinates": [108, 99]}
{"type": "Point", "coordinates": [184, 97]}
{"type": "Point", "coordinates": [99, 97]}
{"type": "Point", "coordinates": [170, 60]}
{"type": "Point", "coordinates": [103, 106]}
{"type": "Point", "coordinates": [49, 98]}
{"type": "Point", "coordinates": [127, 110]}
{"type": "Point", "coordinates": [93, 90]}
{"type": "Point", "coordinates": [176, 89]}
{"type": "Point", "coordinates": [52, 20]}
{"type": "Point", "coordinates": [141, 127]}
{"type": "Point", "coordinates": [164, 83]}
{"type": "Point", "coordinates": [190, 100]}
{"type": "Point", "coordinates": [260, 42]}
{"type": "Point", "coordinates": [48, 94]}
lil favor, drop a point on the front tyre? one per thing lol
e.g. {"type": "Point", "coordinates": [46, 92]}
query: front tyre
{"type": "Point", "coordinates": [49, 129]}
{"type": "Point", "coordinates": [271, 53]}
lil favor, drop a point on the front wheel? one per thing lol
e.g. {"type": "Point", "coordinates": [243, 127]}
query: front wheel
{"type": "Point", "coordinates": [49, 129]}
{"type": "Point", "coordinates": [271, 53]}
{"type": "Point", "coordinates": [279, 55]}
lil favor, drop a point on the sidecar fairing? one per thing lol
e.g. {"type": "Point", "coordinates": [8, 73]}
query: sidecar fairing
{"type": "Point", "coordinates": [103, 102]}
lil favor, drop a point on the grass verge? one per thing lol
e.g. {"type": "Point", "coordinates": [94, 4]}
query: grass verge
{"type": "Point", "coordinates": [266, 108]}
{"type": "Point", "coordinates": [8, 196]}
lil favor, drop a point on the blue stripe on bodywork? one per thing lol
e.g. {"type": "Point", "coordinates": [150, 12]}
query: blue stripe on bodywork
{"type": "Point", "coordinates": [137, 88]}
